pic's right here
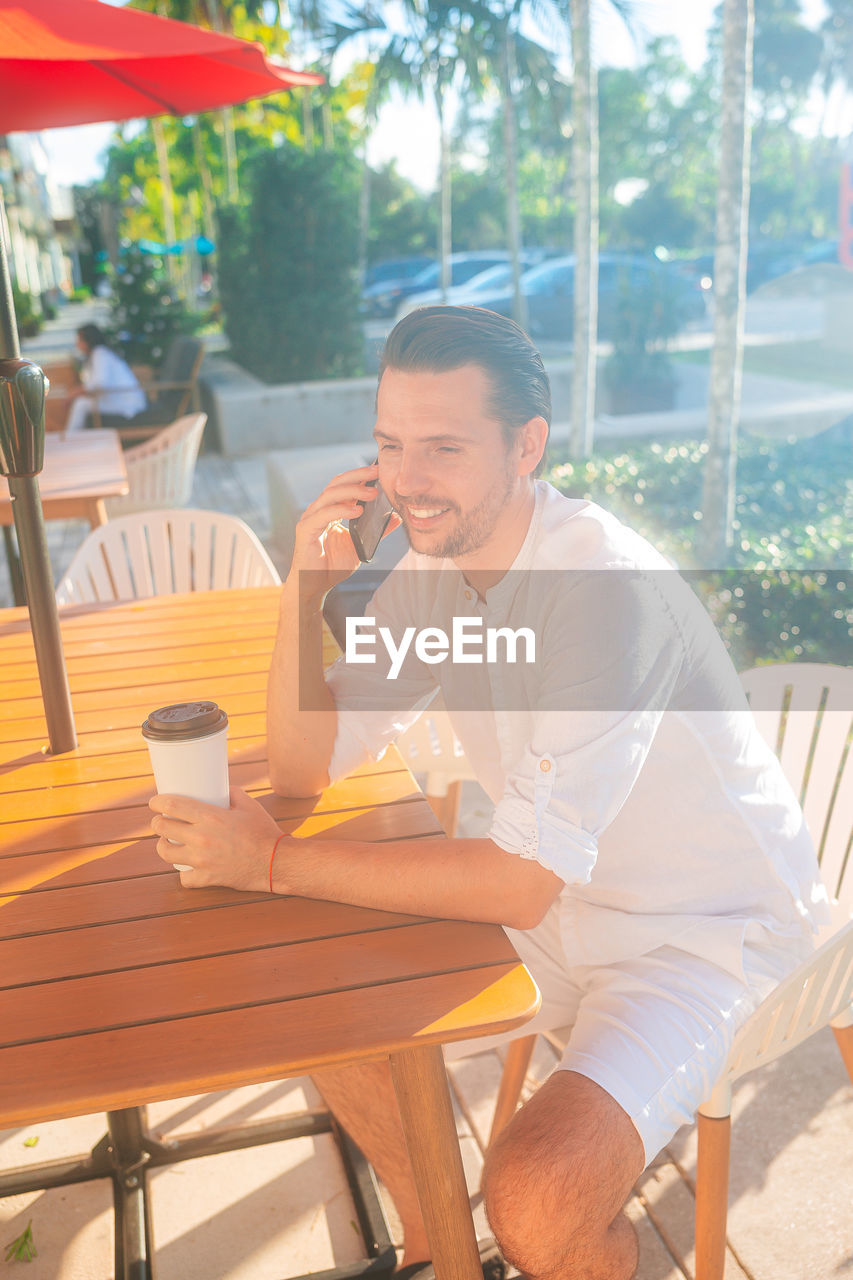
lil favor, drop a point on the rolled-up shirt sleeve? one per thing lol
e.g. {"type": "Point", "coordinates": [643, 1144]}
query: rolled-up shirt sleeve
{"type": "Point", "coordinates": [612, 662]}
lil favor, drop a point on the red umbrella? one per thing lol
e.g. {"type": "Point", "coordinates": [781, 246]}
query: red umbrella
{"type": "Point", "coordinates": [65, 62]}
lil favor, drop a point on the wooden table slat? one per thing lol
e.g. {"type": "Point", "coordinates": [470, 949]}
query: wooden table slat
{"type": "Point", "coordinates": [129, 996]}
{"type": "Point", "coordinates": [111, 1069]}
{"type": "Point", "coordinates": [93, 831]}
{"type": "Point", "coordinates": [233, 926]}
{"type": "Point", "coordinates": [246, 771]}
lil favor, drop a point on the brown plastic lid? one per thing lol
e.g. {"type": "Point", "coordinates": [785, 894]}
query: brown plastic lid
{"type": "Point", "coordinates": [184, 720]}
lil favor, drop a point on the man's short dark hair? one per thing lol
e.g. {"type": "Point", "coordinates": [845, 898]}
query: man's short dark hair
{"type": "Point", "coordinates": [438, 339]}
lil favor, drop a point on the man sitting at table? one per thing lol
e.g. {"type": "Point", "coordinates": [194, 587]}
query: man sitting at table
{"type": "Point", "coordinates": [646, 855]}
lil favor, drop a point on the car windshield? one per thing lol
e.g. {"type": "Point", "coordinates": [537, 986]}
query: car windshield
{"type": "Point", "coordinates": [491, 279]}
{"type": "Point", "coordinates": [544, 279]}
{"type": "Point", "coordinates": [428, 278]}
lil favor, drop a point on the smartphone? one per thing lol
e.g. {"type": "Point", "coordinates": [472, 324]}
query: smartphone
{"type": "Point", "coordinates": [367, 529]}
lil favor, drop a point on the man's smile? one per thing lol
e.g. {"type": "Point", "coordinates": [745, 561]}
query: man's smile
{"type": "Point", "coordinates": [422, 515]}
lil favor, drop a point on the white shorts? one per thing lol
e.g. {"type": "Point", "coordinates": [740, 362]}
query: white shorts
{"type": "Point", "coordinates": [654, 1031]}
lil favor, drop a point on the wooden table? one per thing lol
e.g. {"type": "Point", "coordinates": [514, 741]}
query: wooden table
{"type": "Point", "coordinates": [80, 471]}
{"type": "Point", "coordinates": [119, 987]}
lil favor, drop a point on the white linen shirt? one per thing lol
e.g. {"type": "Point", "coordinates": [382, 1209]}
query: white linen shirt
{"type": "Point", "coordinates": [625, 759]}
{"type": "Point", "coordinates": [117, 384]}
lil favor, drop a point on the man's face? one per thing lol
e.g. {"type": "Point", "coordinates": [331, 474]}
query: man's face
{"type": "Point", "coordinates": [443, 460]}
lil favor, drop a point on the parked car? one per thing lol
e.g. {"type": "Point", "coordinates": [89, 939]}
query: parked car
{"type": "Point", "coordinates": [463, 267]}
{"type": "Point", "coordinates": [384, 279]}
{"type": "Point", "coordinates": [492, 280]}
{"type": "Point", "coordinates": [765, 261]}
{"type": "Point", "coordinates": [549, 290]}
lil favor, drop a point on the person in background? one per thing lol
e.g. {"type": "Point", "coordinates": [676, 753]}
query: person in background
{"type": "Point", "coordinates": [108, 382]}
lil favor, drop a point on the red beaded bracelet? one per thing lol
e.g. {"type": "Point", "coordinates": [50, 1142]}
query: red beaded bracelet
{"type": "Point", "coordinates": [272, 856]}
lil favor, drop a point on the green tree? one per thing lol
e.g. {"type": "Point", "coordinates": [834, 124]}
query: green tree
{"type": "Point", "coordinates": [432, 53]}
{"type": "Point", "coordinates": [658, 126]}
{"type": "Point", "coordinates": [403, 220]}
{"type": "Point", "coordinates": [718, 500]}
{"type": "Point", "coordinates": [287, 266]}
{"type": "Point", "coordinates": [144, 314]}
{"type": "Point", "coordinates": [517, 65]}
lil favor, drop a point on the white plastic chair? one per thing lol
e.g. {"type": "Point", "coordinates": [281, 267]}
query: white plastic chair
{"type": "Point", "coordinates": [160, 470]}
{"type": "Point", "coordinates": [805, 712]}
{"type": "Point", "coordinates": [817, 994]}
{"type": "Point", "coordinates": [430, 746]}
{"type": "Point", "coordinates": [152, 553]}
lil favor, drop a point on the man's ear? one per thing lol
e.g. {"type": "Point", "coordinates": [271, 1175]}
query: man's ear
{"type": "Point", "coordinates": [532, 438]}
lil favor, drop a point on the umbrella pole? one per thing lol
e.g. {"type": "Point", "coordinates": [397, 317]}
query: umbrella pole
{"type": "Point", "coordinates": [35, 562]}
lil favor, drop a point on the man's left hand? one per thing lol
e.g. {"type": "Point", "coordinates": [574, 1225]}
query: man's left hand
{"type": "Point", "coordinates": [230, 847]}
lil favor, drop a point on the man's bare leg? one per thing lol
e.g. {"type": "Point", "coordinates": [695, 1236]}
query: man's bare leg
{"type": "Point", "coordinates": [363, 1101]}
{"type": "Point", "coordinates": [556, 1182]}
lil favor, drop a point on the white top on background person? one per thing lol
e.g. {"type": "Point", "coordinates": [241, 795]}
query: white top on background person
{"type": "Point", "coordinates": [108, 374]}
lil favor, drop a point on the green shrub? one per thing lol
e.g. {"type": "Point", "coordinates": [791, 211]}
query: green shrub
{"type": "Point", "coordinates": [27, 313]}
{"type": "Point", "coordinates": [145, 315]}
{"type": "Point", "coordinates": [288, 267]}
{"type": "Point", "coordinates": [789, 593]}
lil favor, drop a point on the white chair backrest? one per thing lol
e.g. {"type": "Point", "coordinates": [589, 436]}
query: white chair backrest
{"type": "Point", "coordinates": [430, 746]}
{"type": "Point", "coordinates": [154, 553]}
{"type": "Point", "coordinates": [805, 712]}
{"type": "Point", "coordinates": [816, 993]}
{"type": "Point", "coordinates": [160, 470]}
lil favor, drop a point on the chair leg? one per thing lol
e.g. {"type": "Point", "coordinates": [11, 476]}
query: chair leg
{"type": "Point", "coordinates": [844, 1040]}
{"type": "Point", "coordinates": [446, 807]}
{"type": "Point", "coordinates": [712, 1195]}
{"type": "Point", "coordinates": [517, 1062]}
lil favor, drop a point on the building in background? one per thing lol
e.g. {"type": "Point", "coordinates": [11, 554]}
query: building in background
{"type": "Point", "coordinates": [40, 222]}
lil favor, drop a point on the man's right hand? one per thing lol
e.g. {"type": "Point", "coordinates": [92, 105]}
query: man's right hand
{"type": "Point", "coordinates": [323, 547]}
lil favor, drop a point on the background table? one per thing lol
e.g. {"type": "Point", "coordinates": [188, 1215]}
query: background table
{"type": "Point", "coordinates": [118, 986]}
{"type": "Point", "coordinates": [80, 471]}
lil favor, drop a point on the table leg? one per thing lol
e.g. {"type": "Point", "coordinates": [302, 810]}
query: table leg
{"type": "Point", "coordinates": [133, 1236]}
{"type": "Point", "coordinates": [420, 1082]}
{"type": "Point", "coordinates": [96, 513]}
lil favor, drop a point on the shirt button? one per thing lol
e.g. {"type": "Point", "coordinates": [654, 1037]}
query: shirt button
{"type": "Point", "coordinates": [545, 765]}
{"type": "Point", "coordinates": [468, 595]}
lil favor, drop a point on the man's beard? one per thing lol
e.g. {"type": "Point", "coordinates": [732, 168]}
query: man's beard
{"type": "Point", "coordinates": [471, 530]}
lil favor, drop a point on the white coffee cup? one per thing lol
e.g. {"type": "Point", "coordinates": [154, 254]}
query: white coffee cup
{"type": "Point", "coordinates": [187, 742]}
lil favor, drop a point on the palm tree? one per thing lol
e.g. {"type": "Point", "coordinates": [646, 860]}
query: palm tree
{"type": "Point", "coordinates": [432, 53]}
{"type": "Point", "coordinates": [515, 62]}
{"type": "Point", "coordinates": [729, 283]}
{"type": "Point", "coordinates": [585, 175]}
{"type": "Point", "coordinates": [217, 15]}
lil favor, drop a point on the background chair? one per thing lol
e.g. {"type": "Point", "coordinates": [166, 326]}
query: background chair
{"type": "Point", "coordinates": [805, 712]}
{"type": "Point", "coordinates": [172, 392]}
{"type": "Point", "coordinates": [154, 553]}
{"type": "Point", "coordinates": [430, 746]}
{"type": "Point", "coordinates": [160, 470]}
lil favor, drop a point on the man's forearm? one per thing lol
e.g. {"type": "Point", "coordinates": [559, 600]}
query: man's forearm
{"type": "Point", "coordinates": [300, 741]}
{"type": "Point", "coordinates": [458, 879]}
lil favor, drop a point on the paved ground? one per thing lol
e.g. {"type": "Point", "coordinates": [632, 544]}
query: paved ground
{"type": "Point", "coordinates": [284, 1210]}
